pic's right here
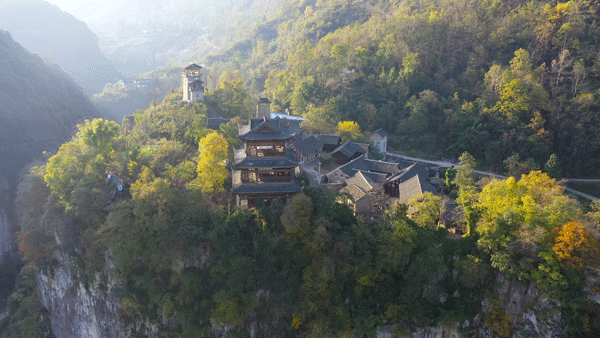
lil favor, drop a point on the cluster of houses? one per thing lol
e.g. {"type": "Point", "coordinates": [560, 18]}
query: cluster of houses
{"type": "Point", "coordinates": [276, 151]}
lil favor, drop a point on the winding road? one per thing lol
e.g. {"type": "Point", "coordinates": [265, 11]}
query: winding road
{"type": "Point", "coordinates": [447, 164]}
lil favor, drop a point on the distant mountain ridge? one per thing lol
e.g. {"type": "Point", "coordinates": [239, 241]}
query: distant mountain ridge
{"type": "Point", "coordinates": [46, 30]}
{"type": "Point", "coordinates": [39, 106]}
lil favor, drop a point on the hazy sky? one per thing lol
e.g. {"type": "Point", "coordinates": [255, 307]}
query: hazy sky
{"type": "Point", "coordinates": [97, 13]}
{"type": "Point", "coordinates": [74, 7]}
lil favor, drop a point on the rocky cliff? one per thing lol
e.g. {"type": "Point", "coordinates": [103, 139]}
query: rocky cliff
{"type": "Point", "coordinates": [517, 310]}
{"type": "Point", "coordinates": [79, 310]}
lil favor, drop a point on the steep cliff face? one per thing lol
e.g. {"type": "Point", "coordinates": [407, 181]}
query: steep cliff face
{"type": "Point", "coordinates": [5, 236]}
{"type": "Point", "coordinates": [78, 310]}
{"type": "Point", "coordinates": [93, 311]}
{"type": "Point", "coordinates": [529, 312]}
{"type": "Point", "coordinates": [518, 310]}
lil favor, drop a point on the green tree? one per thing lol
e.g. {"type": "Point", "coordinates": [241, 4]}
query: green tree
{"type": "Point", "coordinates": [467, 192]}
{"type": "Point", "coordinates": [553, 168]}
{"type": "Point", "coordinates": [425, 210]}
{"type": "Point", "coordinates": [85, 156]}
{"type": "Point", "coordinates": [516, 168]}
{"type": "Point", "coordinates": [98, 133]}
{"type": "Point", "coordinates": [28, 318]}
{"type": "Point", "coordinates": [297, 219]}
{"type": "Point", "coordinates": [231, 95]}
{"type": "Point", "coordinates": [516, 217]}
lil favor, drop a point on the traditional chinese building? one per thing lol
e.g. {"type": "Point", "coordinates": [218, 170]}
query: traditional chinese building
{"type": "Point", "coordinates": [192, 85]}
{"type": "Point", "coordinates": [263, 168]}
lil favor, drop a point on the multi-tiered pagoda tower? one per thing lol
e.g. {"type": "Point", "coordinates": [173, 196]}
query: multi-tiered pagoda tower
{"type": "Point", "coordinates": [263, 168]}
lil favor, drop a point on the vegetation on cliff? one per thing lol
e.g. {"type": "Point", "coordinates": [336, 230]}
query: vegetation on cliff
{"type": "Point", "coordinates": [39, 106]}
{"type": "Point", "coordinates": [514, 83]}
{"type": "Point", "coordinates": [193, 264]}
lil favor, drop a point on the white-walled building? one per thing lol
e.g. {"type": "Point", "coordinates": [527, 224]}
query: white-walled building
{"type": "Point", "coordinates": [193, 87]}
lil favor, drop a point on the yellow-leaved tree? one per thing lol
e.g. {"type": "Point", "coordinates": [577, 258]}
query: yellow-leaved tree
{"type": "Point", "coordinates": [212, 172]}
{"type": "Point", "coordinates": [350, 130]}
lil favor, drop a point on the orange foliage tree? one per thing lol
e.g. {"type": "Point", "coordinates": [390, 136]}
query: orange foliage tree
{"type": "Point", "coordinates": [575, 245]}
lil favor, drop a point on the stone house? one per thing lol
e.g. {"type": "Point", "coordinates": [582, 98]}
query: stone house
{"type": "Point", "coordinates": [379, 140]}
{"type": "Point", "coordinates": [192, 84]}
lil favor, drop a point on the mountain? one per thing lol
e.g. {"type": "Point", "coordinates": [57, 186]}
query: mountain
{"type": "Point", "coordinates": [505, 81]}
{"type": "Point", "coordinates": [39, 106]}
{"type": "Point", "coordinates": [140, 36]}
{"type": "Point", "coordinates": [46, 30]}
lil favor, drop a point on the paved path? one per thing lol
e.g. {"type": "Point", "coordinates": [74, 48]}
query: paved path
{"type": "Point", "coordinates": [589, 197]}
{"type": "Point", "coordinates": [582, 180]}
{"type": "Point", "coordinates": [485, 173]}
{"type": "Point", "coordinates": [310, 168]}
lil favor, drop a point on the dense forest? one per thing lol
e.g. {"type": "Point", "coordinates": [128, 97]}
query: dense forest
{"type": "Point", "coordinates": [494, 78]}
{"type": "Point", "coordinates": [194, 265]}
{"type": "Point", "coordinates": [506, 85]}
{"type": "Point", "coordinates": [512, 81]}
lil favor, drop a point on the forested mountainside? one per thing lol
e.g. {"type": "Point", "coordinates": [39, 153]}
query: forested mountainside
{"type": "Point", "coordinates": [495, 78]}
{"type": "Point", "coordinates": [39, 107]}
{"type": "Point", "coordinates": [44, 29]}
{"type": "Point", "coordinates": [170, 254]}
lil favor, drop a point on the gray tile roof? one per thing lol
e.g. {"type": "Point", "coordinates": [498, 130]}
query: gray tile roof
{"type": "Point", "coordinates": [355, 191]}
{"type": "Point", "coordinates": [263, 188]}
{"type": "Point", "coordinates": [263, 100]}
{"type": "Point", "coordinates": [363, 164]}
{"type": "Point", "coordinates": [193, 66]}
{"type": "Point", "coordinates": [329, 139]}
{"type": "Point", "coordinates": [274, 123]}
{"type": "Point", "coordinates": [362, 181]}
{"type": "Point", "coordinates": [287, 161]}
{"type": "Point", "coordinates": [348, 149]}
{"type": "Point", "coordinates": [290, 126]}
{"type": "Point", "coordinates": [415, 169]}
{"type": "Point", "coordinates": [308, 146]}
{"type": "Point", "coordinates": [380, 132]}
{"type": "Point", "coordinates": [375, 177]}
{"type": "Point", "coordinates": [266, 162]}
{"type": "Point", "coordinates": [215, 122]}
{"type": "Point", "coordinates": [401, 161]}
{"type": "Point", "coordinates": [262, 129]}
{"type": "Point", "coordinates": [414, 186]}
